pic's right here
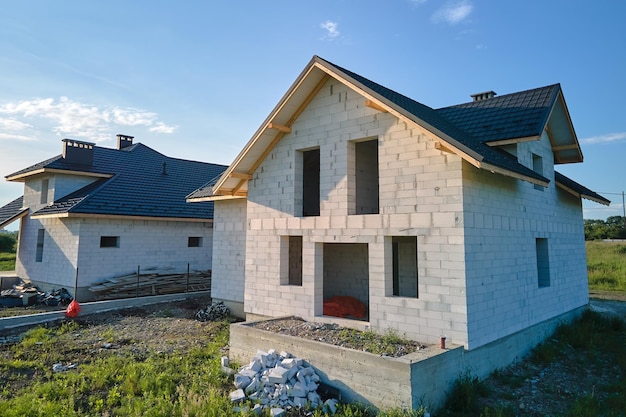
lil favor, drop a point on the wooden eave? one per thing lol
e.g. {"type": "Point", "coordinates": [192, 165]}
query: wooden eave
{"type": "Point", "coordinates": [123, 217]}
{"type": "Point", "coordinates": [22, 177]}
{"type": "Point", "coordinates": [580, 195]}
{"type": "Point", "coordinates": [512, 141]}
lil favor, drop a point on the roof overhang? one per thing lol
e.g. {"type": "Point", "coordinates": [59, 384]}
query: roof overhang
{"type": "Point", "coordinates": [565, 145]}
{"type": "Point", "coordinates": [22, 177]}
{"type": "Point", "coordinates": [582, 195]}
{"type": "Point", "coordinates": [118, 217]}
{"type": "Point", "coordinates": [23, 212]}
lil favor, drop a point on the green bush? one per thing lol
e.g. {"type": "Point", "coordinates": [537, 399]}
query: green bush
{"type": "Point", "coordinates": [8, 242]}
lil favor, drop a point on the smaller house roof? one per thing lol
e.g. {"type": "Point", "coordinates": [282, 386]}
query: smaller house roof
{"type": "Point", "coordinates": [578, 190]}
{"type": "Point", "coordinates": [132, 181]}
{"type": "Point", "coordinates": [12, 211]}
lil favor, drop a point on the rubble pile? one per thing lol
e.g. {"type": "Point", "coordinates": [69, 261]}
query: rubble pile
{"type": "Point", "coordinates": [279, 382]}
{"type": "Point", "coordinates": [27, 294]}
{"type": "Point", "coordinates": [213, 312]}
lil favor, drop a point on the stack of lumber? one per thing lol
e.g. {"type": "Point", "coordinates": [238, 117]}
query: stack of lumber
{"type": "Point", "coordinates": [153, 283]}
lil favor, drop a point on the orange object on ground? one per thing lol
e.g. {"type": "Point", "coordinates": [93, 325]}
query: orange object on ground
{"type": "Point", "coordinates": [345, 306]}
{"type": "Point", "coordinates": [72, 309]}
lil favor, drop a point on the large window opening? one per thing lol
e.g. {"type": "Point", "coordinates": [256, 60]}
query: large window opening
{"type": "Point", "coordinates": [404, 271]}
{"type": "Point", "coordinates": [194, 242]}
{"type": "Point", "coordinates": [39, 250]}
{"type": "Point", "coordinates": [543, 263]}
{"type": "Point", "coordinates": [311, 183]}
{"type": "Point", "coordinates": [365, 178]}
{"type": "Point", "coordinates": [346, 280]}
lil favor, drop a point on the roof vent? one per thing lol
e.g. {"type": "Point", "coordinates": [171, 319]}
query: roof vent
{"type": "Point", "coordinates": [483, 96]}
{"type": "Point", "coordinates": [77, 152]}
{"type": "Point", "coordinates": [164, 172]}
{"type": "Point", "coordinates": [124, 141]}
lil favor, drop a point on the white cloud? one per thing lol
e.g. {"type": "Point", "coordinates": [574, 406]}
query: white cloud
{"type": "Point", "coordinates": [13, 125]}
{"type": "Point", "coordinates": [417, 2]}
{"type": "Point", "coordinates": [611, 137]}
{"type": "Point", "coordinates": [453, 12]}
{"type": "Point", "coordinates": [331, 29]}
{"type": "Point", "coordinates": [161, 127]}
{"type": "Point", "coordinates": [73, 119]}
{"type": "Point", "coordinates": [10, 136]}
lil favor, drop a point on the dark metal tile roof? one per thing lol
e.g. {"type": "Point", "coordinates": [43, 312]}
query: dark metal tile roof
{"type": "Point", "coordinates": [10, 211]}
{"type": "Point", "coordinates": [580, 189]}
{"type": "Point", "coordinates": [144, 183]}
{"type": "Point", "coordinates": [511, 116]}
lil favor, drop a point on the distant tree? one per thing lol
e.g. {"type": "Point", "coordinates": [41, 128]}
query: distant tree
{"type": "Point", "coordinates": [8, 241]}
{"type": "Point", "coordinates": [612, 228]}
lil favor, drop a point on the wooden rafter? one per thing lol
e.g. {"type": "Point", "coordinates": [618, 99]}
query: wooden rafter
{"type": "Point", "coordinates": [280, 128]}
{"type": "Point", "coordinates": [241, 176]}
{"type": "Point", "coordinates": [373, 105]}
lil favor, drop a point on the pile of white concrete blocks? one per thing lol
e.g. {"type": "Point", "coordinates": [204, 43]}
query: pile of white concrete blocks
{"type": "Point", "coordinates": [279, 382]}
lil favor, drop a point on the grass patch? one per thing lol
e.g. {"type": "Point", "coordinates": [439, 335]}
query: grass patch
{"type": "Point", "coordinates": [606, 266]}
{"type": "Point", "coordinates": [7, 261]}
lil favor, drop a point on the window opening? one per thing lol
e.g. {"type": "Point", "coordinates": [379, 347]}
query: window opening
{"type": "Point", "coordinates": [44, 191]}
{"type": "Point", "coordinates": [194, 242]}
{"type": "Point", "coordinates": [366, 182]}
{"type": "Point", "coordinates": [543, 263]}
{"type": "Point", "coordinates": [109, 241]}
{"type": "Point", "coordinates": [538, 168]}
{"type": "Point", "coordinates": [404, 266]}
{"type": "Point", "coordinates": [39, 251]}
{"type": "Point", "coordinates": [311, 183]}
{"type": "Point", "coordinates": [295, 260]}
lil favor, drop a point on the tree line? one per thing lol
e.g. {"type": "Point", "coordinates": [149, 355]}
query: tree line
{"type": "Point", "coordinates": [8, 241]}
{"type": "Point", "coordinates": [611, 228]}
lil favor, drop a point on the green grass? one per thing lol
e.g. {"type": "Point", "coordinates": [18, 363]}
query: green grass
{"type": "Point", "coordinates": [7, 261]}
{"type": "Point", "coordinates": [606, 266]}
{"type": "Point", "coordinates": [593, 334]}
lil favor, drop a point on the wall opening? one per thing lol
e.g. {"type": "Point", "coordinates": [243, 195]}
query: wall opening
{"type": "Point", "coordinates": [39, 250]}
{"type": "Point", "coordinates": [543, 263]}
{"type": "Point", "coordinates": [194, 242]}
{"type": "Point", "coordinates": [538, 168]}
{"type": "Point", "coordinates": [404, 267]}
{"type": "Point", "coordinates": [45, 183]}
{"type": "Point", "coordinates": [311, 183]}
{"type": "Point", "coordinates": [346, 280]}
{"type": "Point", "coordinates": [364, 178]}
{"type": "Point", "coordinates": [109, 241]}
{"type": "Point", "coordinates": [291, 260]}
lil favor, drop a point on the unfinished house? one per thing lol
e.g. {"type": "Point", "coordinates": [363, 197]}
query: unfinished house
{"type": "Point", "coordinates": [355, 204]}
{"type": "Point", "coordinates": [104, 212]}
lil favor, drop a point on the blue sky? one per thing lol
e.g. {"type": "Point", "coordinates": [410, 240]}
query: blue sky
{"type": "Point", "coordinates": [195, 79]}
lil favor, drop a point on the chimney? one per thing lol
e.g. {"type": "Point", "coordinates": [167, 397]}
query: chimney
{"type": "Point", "coordinates": [483, 96]}
{"type": "Point", "coordinates": [77, 152]}
{"type": "Point", "coordinates": [124, 141]}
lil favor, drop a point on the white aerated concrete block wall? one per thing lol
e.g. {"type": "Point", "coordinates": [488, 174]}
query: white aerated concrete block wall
{"type": "Point", "coordinates": [229, 254]}
{"type": "Point", "coordinates": [72, 243]}
{"type": "Point", "coordinates": [503, 218]}
{"type": "Point", "coordinates": [420, 195]}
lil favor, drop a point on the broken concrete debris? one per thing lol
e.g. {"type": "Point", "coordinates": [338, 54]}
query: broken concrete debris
{"type": "Point", "coordinates": [213, 312]}
{"type": "Point", "coordinates": [26, 294]}
{"type": "Point", "coordinates": [59, 367]}
{"type": "Point", "coordinates": [279, 382]}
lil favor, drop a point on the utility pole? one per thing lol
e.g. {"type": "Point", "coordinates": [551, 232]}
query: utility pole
{"type": "Point", "coordinates": [624, 208]}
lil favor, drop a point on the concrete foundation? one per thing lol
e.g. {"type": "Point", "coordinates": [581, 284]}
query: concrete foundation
{"type": "Point", "coordinates": [420, 378]}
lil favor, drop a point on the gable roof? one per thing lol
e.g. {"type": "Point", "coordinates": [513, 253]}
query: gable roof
{"type": "Point", "coordinates": [520, 117]}
{"type": "Point", "coordinates": [12, 211]}
{"type": "Point", "coordinates": [452, 128]}
{"type": "Point", "coordinates": [134, 181]}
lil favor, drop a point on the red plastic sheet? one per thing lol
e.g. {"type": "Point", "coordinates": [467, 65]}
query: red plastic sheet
{"type": "Point", "coordinates": [73, 309]}
{"type": "Point", "coordinates": [345, 306]}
